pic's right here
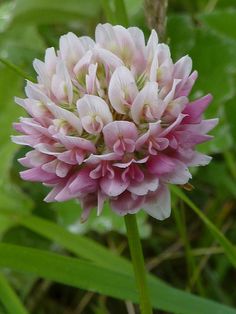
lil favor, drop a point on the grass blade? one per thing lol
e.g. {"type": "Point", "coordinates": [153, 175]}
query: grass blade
{"type": "Point", "coordinates": [229, 248]}
{"type": "Point", "coordinates": [9, 299]}
{"type": "Point", "coordinates": [86, 275]}
{"type": "Point", "coordinates": [109, 14]}
{"type": "Point", "coordinates": [16, 69]}
{"type": "Point", "coordinates": [78, 244]}
{"type": "Point", "coordinates": [121, 13]}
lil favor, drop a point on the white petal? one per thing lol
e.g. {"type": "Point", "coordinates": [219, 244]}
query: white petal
{"type": "Point", "coordinates": [180, 175]}
{"type": "Point", "coordinates": [122, 89]}
{"type": "Point", "coordinates": [148, 99]}
{"type": "Point", "coordinates": [160, 206]}
{"type": "Point", "coordinates": [183, 67]}
{"type": "Point", "coordinates": [61, 83]}
{"type": "Point", "coordinates": [152, 45]}
{"type": "Point", "coordinates": [95, 109]}
{"type": "Point", "coordinates": [66, 115]}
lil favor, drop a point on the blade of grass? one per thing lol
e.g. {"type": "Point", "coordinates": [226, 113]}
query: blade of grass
{"type": "Point", "coordinates": [181, 302]}
{"type": "Point", "coordinates": [121, 13]}
{"type": "Point", "coordinates": [79, 245]}
{"type": "Point", "coordinates": [109, 14]}
{"type": "Point", "coordinates": [180, 219]}
{"type": "Point", "coordinates": [229, 248]}
{"type": "Point", "coordinates": [16, 69]}
{"type": "Point", "coordinates": [87, 275]}
{"type": "Point", "coordinates": [9, 299]}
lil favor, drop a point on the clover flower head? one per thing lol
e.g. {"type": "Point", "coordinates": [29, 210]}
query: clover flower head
{"type": "Point", "coordinates": [110, 120]}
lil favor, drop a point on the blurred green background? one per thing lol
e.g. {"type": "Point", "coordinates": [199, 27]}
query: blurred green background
{"type": "Point", "coordinates": [180, 250]}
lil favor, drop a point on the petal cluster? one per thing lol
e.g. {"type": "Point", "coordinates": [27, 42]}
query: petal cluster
{"type": "Point", "coordinates": [110, 120]}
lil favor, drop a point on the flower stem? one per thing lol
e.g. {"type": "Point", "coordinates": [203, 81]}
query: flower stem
{"type": "Point", "coordinates": [138, 263]}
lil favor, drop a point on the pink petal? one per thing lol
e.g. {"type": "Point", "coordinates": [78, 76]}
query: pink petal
{"type": "Point", "coordinates": [71, 142]}
{"type": "Point", "coordinates": [195, 109]}
{"type": "Point", "coordinates": [37, 175]}
{"type": "Point", "coordinates": [185, 87]}
{"type": "Point", "coordinates": [188, 139]}
{"type": "Point", "coordinates": [180, 174]}
{"type": "Point", "coordinates": [127, 203]}
{"type": "Point", "coordinates": [83, 183]}
{"type": "Point", "coordinates": [160, 164]}
{"type": "Point", "coordinates": [95, 159]}
{"type": "Point", "coordinates": [199, 159]}
{"type": "Point", "coordinates": [120, 136]}
{"type": "Point", "coordinates": [150, 183]}
{"type": "Point", "coordinates": [114, 186]}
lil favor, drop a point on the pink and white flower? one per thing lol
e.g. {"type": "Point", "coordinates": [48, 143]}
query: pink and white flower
{"type": "Point", "coordinates": [110, 120]}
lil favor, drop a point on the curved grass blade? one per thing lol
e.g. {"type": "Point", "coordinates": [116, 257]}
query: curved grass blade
{"type": "Point", "coordinates": [229, 248]}
{"type": "Point", "coordinates": [9, 299]}
{"type": "Point", "coordinates": [86, 275]}
{"type": "Point", "coordinates": [16, 69]}
{"type": "Point", "coordinates": [121, 13]}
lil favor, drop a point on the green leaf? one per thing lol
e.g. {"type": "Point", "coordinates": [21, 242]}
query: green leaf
{"type": "Point", "coordinates": [230, 111]}
{"type": "Point", "coordinates": [222, 21]}
{"type": "Point", "coordinates": [229, 248]}
{"type": "Point", "coordinates": [214, 58]}
{"type": "Point", "coordinates": [180, 34]}
{"type": "Point", "coordinates": [9, 299]}
{"type": "Point", "coordinates": [53, 11]}
{"type": "Point", "coordinates": [20, 45]}
{"type": "Point", "coordinates": [5, 13]}
{"type": "Point", "coordinates": [108, 12]}
{"type": "Point", "coordinates": [80, 245]}
{"type": "Point", "coordinates": [86, 275]}
{"type": "Point", "coordinates": [121, 13]}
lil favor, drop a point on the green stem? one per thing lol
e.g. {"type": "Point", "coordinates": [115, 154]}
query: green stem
{"type": "Point", "coordinates": [138, 263]}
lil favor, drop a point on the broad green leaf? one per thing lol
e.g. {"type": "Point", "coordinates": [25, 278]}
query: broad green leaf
{"type": "Point", "coordinates": [133, 6]}
{"type": "Point", "coordinates": [9, 299]}
{"type": "Point", "coordinates": [180, 35]}
{"type": "Point", "coordinates": [226, 4]}
{"type": "Point", "coordinates": [89, 276]}
{"type": "Point", "coordinates": [53, 11]}
{"type": "Point", "coordinates": [229, 248]}
{"type": "Point", "coordinates": [5, 13]}
{"type": "Point", "coordinates": [214, 58]}
{"type": "Point", "coordinates": [121, 13]}
{"type": "Point", "coordinates": [79, 245]}
{"type": "Point", "coordinates": [222, 21]}
{"type": "Point", "coordinates": [230, 111]}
